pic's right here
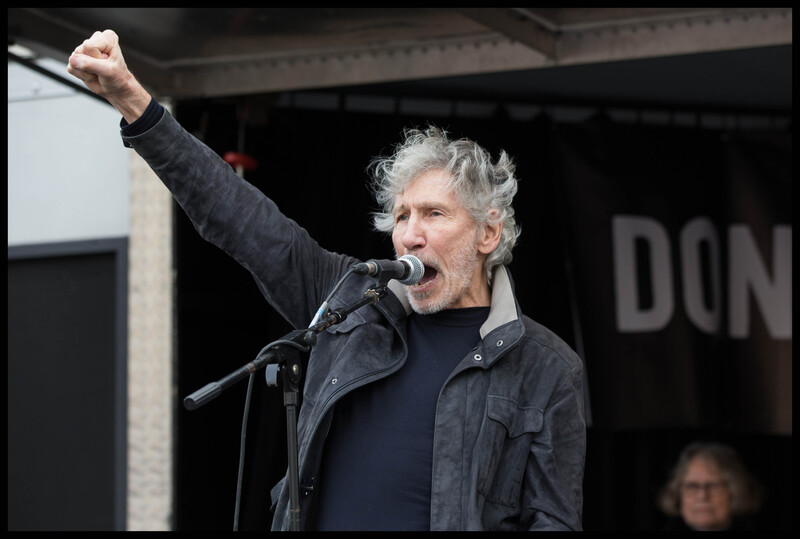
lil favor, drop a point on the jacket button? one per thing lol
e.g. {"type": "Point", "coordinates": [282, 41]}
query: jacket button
{"type": "Point", "coordinates": [308, 486]}
{"type": "Point", "coordinates": [500, 342]}
{"type": "Point", "coordinates": [477, 357]}
{"type": "Point", "coordinates": [334, 380]}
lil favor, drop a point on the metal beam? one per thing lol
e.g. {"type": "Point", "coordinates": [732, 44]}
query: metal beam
{"type": "Point", "coordinates": [521, 28]}
{"type": "Point", "coordinates": [699, 32]}
{"type": "Point", "coordinates": [428, 44]}
{"type": "Point", "coordinates": [344, 67]}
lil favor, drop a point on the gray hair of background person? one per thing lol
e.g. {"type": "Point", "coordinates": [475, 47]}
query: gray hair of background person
{"type": "Point", "coordinates": [745, 492]}
{"type": "Point", "coordinates": [480, 185]}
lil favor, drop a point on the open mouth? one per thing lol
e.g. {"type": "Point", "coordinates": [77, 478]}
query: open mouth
{"type": "Point", "coordinates": [429, 275]}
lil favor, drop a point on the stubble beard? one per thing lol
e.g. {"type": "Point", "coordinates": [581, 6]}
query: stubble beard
{"type": "Point", "coordinates": [457, 281]}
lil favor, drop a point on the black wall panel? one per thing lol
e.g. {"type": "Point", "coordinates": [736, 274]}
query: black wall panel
{"type": "Point", "coordinates": [66, 387]}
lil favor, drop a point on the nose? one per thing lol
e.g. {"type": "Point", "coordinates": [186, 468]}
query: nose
{"type": "Point", "coordinates": [413, 235]}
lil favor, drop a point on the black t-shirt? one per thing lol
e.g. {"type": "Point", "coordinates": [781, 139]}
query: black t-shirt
{"type": "Point", "coordinates": [376, 467]}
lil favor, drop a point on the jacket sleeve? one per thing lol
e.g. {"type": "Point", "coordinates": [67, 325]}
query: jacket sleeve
{"type": "Point", "coordinates": [292, 271]}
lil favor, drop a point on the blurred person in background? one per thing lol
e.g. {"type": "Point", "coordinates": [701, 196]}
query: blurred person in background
{"type": "Point", "coordinates": [710, 489]}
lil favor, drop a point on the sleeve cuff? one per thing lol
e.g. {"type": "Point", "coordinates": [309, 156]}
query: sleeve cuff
{"type": "Point", "coordinates": [146, 121]}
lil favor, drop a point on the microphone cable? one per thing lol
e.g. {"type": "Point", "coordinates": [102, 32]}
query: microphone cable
{"type": "Point", "coordinates": [243, 438]}
{"type": "Point", "coordinates": [324, 306]}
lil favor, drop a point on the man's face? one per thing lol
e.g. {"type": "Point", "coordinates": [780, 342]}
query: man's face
{"type": "Point", "coordinates": [431, 224]}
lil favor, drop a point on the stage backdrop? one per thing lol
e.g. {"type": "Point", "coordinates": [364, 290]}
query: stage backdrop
{"type": "Point", "coordinates": [680, 242]}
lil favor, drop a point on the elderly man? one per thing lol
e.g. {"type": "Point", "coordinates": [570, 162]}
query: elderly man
{"type": "Point", "coordinates": [440, 407]}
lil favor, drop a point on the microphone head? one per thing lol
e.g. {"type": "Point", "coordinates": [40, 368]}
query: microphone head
{"type": "Point", "coordinates": [417, 269]}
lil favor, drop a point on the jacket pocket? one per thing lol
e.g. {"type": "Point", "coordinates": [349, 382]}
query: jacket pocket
{"type": "Point", "coordinates": [508, 432]}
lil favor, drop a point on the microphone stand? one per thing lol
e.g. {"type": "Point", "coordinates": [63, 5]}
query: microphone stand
{"type": "Point", "coordinates": [283, 356]}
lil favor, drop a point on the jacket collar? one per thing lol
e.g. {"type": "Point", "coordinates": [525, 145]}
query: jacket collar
{"type": "Point", "coordinates": [503, 308]}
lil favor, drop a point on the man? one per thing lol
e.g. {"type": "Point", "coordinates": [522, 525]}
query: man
{"type": "Point", "coordinates": [440, 407]}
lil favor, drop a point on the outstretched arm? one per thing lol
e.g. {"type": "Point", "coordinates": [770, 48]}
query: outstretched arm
{"type": "Point", "coordinates": [98, 62]}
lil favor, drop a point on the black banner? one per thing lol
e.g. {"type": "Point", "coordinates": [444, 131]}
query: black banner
{"type": "Point", "coordinates": [680, 242]}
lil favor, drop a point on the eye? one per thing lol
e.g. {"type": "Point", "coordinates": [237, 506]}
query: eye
{"type": "Point", "coordinates": [401, 217]}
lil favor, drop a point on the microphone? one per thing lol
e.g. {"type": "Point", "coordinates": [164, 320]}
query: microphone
{"type": "Point", "coordinates": [407, 269]}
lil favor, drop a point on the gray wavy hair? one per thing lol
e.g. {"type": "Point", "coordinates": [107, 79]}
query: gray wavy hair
{"type": "Point", "coordinates": [480, 185]}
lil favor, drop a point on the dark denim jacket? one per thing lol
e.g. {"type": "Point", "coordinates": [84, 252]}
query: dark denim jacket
{"type": "Point", "coordinates": [510, 437]}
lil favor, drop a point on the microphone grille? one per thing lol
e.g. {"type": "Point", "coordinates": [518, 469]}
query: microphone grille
{"type": "Point", "coordinates": [417, 269]}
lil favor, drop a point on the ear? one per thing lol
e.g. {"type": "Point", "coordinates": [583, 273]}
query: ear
{"type": "Point", "coordinates": [489, 237]}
